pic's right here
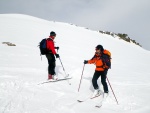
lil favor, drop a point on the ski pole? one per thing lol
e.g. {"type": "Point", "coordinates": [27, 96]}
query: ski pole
{"type": "Point", "coordinates": [63, 67]}
{"type": "Point", "coordinates": [64, 71]}
{"type": "Point", "coordinates": [57, 50]}
{"type": "Point", "coordinates": [112, 90]}
{"type": "Point", "coordinates": [81, 77]}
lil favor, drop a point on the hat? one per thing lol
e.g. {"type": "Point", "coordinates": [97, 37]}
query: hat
{"type": "Point", "coordinates": [100, 47]}
{"type": "Point", "coordinates": [52, 33]}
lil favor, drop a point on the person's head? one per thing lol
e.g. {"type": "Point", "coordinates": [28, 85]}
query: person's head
{"type": "Point", "coordinates": [99, 48]}
{"type": "Point", "coordinates": [52, 34]}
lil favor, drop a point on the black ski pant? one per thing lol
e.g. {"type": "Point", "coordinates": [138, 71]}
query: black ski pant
{"type": "Point", "coordinates": [103, 75]}
{"type": "Point", "coordinates": [51, 63]}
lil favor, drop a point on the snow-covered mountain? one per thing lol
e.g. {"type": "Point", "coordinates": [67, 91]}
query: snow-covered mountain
{"type": "Point", "coordinates": [21, 69]}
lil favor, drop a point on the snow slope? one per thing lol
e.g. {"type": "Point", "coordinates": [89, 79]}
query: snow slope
{"type": "Point", "coordinates": [21, 69]}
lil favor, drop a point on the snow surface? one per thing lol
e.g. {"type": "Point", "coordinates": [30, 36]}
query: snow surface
{"type": "Point", "coordinates": [21, 69]}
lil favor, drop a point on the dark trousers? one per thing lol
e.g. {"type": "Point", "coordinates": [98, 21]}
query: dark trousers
{"type": "Point", "coordinates": [96, 75]}
{"type": "Point", "coordinates": [51, 63]}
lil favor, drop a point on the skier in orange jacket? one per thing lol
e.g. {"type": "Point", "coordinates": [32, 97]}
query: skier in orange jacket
{"type": "Point", "coordinates": [100, 70]}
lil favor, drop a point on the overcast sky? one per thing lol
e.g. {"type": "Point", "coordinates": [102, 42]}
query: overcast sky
{"type": "Point", "coordinates": [120, 16]}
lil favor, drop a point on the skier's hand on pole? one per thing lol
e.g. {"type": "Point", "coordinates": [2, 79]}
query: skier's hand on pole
{"type": "Point", "coordinates": [57, 55]}
{"type": "Point", "coordinates": [57, 48]}
{"type": "Point", "coordinates": [85, 62]}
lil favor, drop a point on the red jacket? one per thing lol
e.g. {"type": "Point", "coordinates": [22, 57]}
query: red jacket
{"type": "Point", "coordinates": [50, 45]}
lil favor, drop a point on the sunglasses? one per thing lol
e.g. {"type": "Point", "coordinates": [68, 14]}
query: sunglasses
{"type": "Point", "coordinates": [97, 49]}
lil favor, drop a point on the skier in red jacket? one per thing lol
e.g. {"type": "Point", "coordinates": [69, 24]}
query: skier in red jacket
{"type": "Point", "coordinates": [51, 56]}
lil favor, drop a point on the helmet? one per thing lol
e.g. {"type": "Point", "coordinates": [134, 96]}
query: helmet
{"type": "Point", "coordinates": [52, 33]}
{"type": "Point", "coordinates": [100, 47]}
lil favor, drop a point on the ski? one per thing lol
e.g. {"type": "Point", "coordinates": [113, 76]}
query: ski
{"type": "Point", "coordinates": [88, 98]}
{"type": "Point", "coordinates": [61, 79]}
{"type": "Point", "coordinates": [99, 105]}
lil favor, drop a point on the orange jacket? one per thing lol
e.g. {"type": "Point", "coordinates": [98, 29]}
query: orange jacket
{"type": "Point", "coordinates": [97, 61]}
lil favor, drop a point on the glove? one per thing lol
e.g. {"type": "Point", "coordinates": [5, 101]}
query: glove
{"type": "Point", "coordinates": [57, 48]}
{"type": "Point", "coordinates": [57, 55]}
{"type": "Point", "coordinates": [85, 62]}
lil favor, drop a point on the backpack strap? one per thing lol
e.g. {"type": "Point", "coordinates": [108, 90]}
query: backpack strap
{"type": "Point", "coordinates": [103, 57]}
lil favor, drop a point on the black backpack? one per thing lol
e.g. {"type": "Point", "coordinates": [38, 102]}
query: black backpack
{"type": "Point", "coordinates": [106, 59]}
{"type": "Point", "coordinates": [43, 47]}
